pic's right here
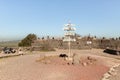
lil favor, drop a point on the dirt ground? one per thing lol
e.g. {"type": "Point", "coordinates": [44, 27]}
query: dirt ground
{"type": "Point", "coordinates": [28, 67]}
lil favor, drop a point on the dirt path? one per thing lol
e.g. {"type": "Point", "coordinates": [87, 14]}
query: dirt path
{"type": "Point", "coordinates": [26, 68]}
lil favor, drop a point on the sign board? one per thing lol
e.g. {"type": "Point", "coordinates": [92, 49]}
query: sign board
{"type": "Point", "coordinates": [69, 28]}
{"type": "Point", "coordinates": [69, 40]}
{"type": "Point", "coordinates": [69, 34]}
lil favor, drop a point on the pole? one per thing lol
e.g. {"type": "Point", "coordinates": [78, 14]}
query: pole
{"type": "Point", "coordinates": [69, 48]}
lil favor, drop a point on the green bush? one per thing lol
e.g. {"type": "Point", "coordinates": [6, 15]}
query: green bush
{"type": "Point", "coordinates": [28, 40]}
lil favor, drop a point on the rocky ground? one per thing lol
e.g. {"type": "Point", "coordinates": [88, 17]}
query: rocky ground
{"type": "Point", "coordinates": [31, 67]}
{"type": "Point", "coordinates": [117, 76]}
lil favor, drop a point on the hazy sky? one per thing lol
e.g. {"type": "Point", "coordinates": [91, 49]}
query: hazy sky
{"type": "Point", "coordinates": [47, 17]}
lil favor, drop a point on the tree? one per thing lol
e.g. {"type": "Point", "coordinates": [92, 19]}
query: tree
{"type": "Point", "coordinates": [103, 38]}
{"type": "Point", "coordinates": [48, 37]}
{"type": "Point", "coordinates": [42, 38]}
{"type": "Point", "coordinates": [53, 38]}
{"type": "Point", "coordinates": [28, 40]}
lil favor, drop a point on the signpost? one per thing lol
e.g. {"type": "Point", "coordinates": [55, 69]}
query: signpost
{"type": "Point", "coordinates": [69, 36]}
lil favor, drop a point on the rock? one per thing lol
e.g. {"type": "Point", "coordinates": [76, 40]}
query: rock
{"type": "Point", "coordinates": [84, 64]}
{"type": "Point", "coordinates": [104, 79]}
{"type": "Point", "coordinates": [112, 69]}
{"type": "Point", "coordinates": [69, 59]}
{"type": "Point", "coordinates": [76, 59]}
{"type": "Point", "coordinates": [113, 73]}
{"type": "Point", "coordinates": [89, 63]}
{"type": "Point", "coordinates": [117, 65]}
{"type": "Point", "coordinates": [106, 75]}
{"type": "Point", "coordinates": [89, 58]}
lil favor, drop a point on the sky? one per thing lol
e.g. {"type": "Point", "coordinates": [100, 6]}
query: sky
{"type": "Point", "coordinates": [18, 18]}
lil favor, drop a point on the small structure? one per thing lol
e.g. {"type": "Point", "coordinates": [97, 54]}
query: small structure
{"type": "Point", "coordinates": [89, 41]}
{"type": "Point", "coordinates": [69, 36]}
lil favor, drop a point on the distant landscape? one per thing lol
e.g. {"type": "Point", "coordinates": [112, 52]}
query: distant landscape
{"type": "Point", "coordinates": [9, 43]}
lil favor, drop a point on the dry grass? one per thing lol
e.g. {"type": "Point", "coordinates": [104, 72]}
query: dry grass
{"type": "Point", "coordinates": [45, 58]}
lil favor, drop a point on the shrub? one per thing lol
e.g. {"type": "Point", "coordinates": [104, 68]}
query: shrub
{"type": "Point", "coordinates": [28, 40]}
